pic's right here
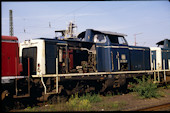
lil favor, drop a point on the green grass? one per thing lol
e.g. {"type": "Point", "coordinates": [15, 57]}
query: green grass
{"type": "Point", "coordinates": [146, 88]}
{"type": "Point", "coordinates": [82, 103]}
{"type": "Point", "coordinates": [93, 98]}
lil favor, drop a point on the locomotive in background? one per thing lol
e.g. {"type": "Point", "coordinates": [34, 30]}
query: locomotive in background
{"type": "Point", "coordinates": [161, 54]}
{"type": "Point", "coordinates": [93, 61]}
{"type": "Point", "coordinates": [11, 67]}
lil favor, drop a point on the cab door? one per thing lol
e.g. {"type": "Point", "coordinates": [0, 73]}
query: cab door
{"type": "Point", "coordinates": [30, 53]}
{"type": "Point", "coordinates": [120, 55]}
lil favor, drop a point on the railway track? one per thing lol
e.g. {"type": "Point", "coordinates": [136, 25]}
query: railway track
{"type": "Point", "coordinates": [163, 107]}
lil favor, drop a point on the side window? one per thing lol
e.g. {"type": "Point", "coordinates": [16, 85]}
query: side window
{"type": "Point", "coordinates": [113, 39]}
{"type": "Point", "coordinates": [99, 38]}
{"type": "Point", "coordinates": [122, 41]}
{"type": "Point", "coordinates": [161, 46]}
{"type": "Point", "coordinates": [59, 35]}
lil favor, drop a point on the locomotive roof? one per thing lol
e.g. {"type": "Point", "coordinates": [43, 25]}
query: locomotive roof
{"type": "Point", "coordinates": [9, 38]}
{"type": "Point", "coordinates": [113, 33]}
{"type": "Point", "coordinates": [162, 42]}
{"type": "Point", "coordinates": [107, 32]}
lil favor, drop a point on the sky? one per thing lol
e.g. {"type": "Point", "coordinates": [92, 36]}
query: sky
{"type": "Point", "coordinates": [150, 20]}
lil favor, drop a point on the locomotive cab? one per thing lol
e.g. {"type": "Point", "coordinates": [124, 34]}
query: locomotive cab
{"type": "Point", "coordinates": [164, 43]}
{"type": "Point", "coordinates": [113, 52]}
{"type": "Point", "coordinates": [108, 58]}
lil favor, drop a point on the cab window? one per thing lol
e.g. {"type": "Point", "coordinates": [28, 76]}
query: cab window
{"type": "Point", "coordinates": [99, 38]}
{"type": "Point", "coordinates": [122, 40]}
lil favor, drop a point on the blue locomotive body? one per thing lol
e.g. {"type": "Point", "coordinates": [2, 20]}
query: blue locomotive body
{"type": "Point", "coordinates": [114, 54]}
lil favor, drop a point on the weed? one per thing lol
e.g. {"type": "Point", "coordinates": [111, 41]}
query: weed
{"type": "Point", "coordinates": [30, 109]}
{"type": "Point", "coordinates": [82, 103]}
{"type": "Point", "coordinates": [77, 104]}
{"type": "Point", "coordinates": [115, 104]}
{"type": "Point", "coordinates": [92, 98]}
{"type": "Point", "coordinates": [145, 87]}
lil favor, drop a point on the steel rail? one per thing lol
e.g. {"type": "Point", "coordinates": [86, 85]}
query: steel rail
{"type": "Point", "coordinates": [156, 108]}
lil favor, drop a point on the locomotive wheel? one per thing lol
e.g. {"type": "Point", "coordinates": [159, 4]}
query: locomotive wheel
{"type": "Point", "coordinates": [7, 103]}
{"type": "Point", "coordinates": [4, 94]}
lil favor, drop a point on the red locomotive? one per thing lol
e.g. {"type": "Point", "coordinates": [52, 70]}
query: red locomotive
{"type": "Point", "coordinates": [10, 64]}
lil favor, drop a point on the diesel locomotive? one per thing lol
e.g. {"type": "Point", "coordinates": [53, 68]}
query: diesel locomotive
{"type": "Point", "coordinates": [94, 60]}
